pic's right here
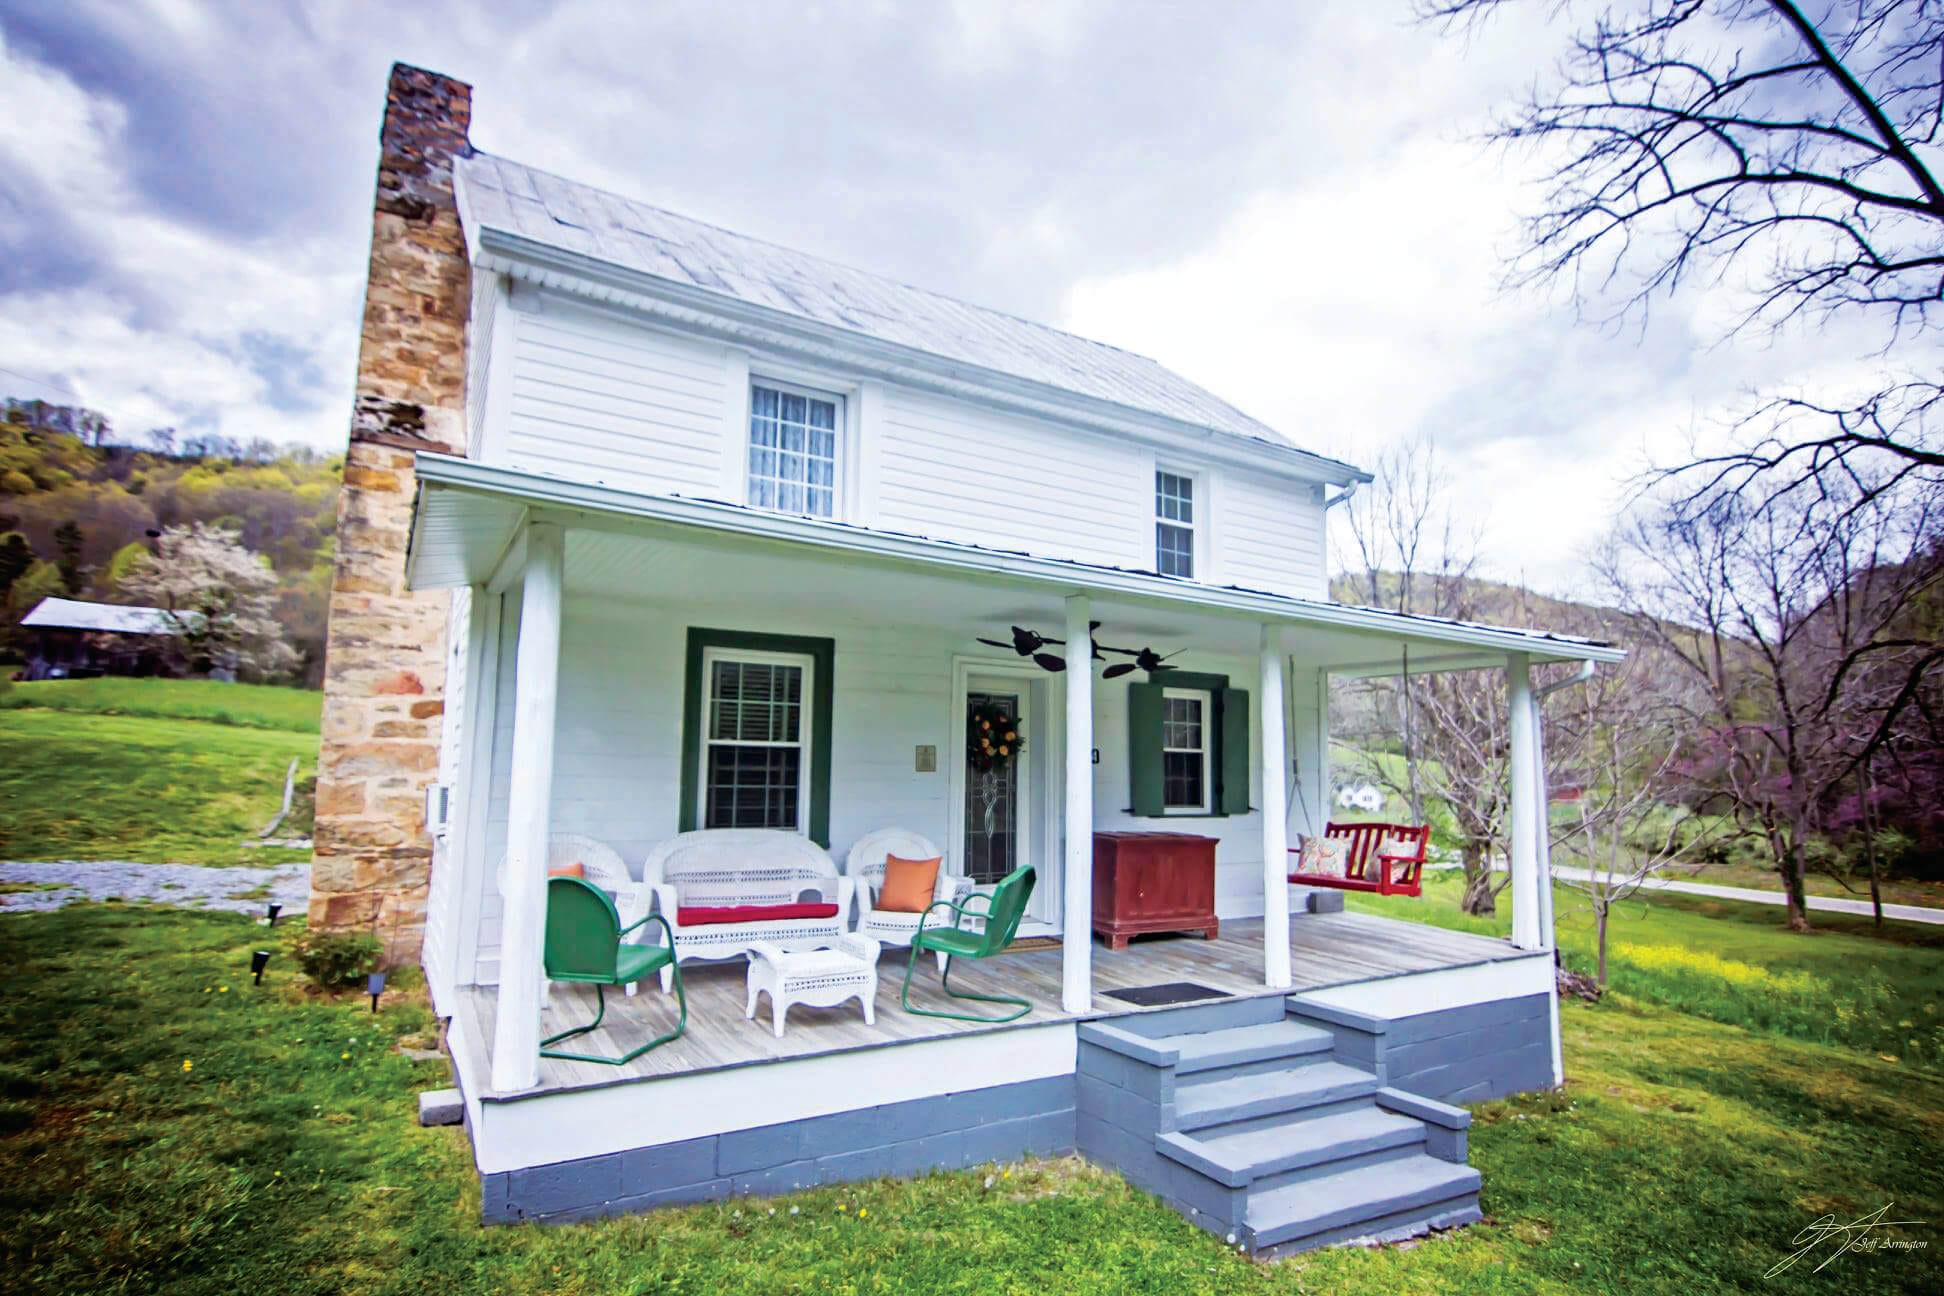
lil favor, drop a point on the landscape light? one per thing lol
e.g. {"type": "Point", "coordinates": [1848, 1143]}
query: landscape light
{"type": "Point", "coordinates": [271, 916]}
{"type": "Point", "coordinates": [258, 961]}
{"type": "Point", "coordinates": [375, 986]}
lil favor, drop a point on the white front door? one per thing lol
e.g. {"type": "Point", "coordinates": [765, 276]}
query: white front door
{"type": "Point", "coordinates": [1000, 813]}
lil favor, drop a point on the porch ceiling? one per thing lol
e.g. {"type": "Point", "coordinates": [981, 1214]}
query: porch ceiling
{"type": "Point", "coordinates": [470, 518]}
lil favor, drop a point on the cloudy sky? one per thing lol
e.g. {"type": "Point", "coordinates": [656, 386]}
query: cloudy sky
{"type": "Point", "coordinates": [1282, 201]}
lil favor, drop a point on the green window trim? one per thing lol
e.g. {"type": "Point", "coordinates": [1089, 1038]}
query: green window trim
{"type": "Point", "coordinates": [1229, 761]}
{"type": "Point", "coordinates": [823, 653]}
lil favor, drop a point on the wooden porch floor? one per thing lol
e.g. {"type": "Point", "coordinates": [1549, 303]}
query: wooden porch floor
{"type": "Point", "coordinates": [1325, 950]}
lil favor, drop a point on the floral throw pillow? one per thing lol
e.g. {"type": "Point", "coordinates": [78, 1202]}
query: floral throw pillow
{"type": "Point", "coordinates": [1398, 847]}
{"type": "Point", "coordinates": [1323, 857]}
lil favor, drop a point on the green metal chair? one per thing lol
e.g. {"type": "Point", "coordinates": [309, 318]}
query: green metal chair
{"type": "Point", "coordinates": [584, 944]}
{"type": "Point", "coordinates": [1004, 907]}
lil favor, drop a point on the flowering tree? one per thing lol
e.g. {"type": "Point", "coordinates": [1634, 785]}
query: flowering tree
{"type": "Point", "coordinates": [218, 596]}
{"type": "Point", "coordinates": [1793, 621]}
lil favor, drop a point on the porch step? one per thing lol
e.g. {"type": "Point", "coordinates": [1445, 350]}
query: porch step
{"type": "Point", "coordinates": [1238, 1045]}
{"type": "Point", "coordinates": [1390, 1199]}
{"type": "Point", "coordinates": [1241, 1154]}
{"type": "Point", "coordinates": [1201, 1104]}
{"type": "Point", "coordinates": [1274, 1133]}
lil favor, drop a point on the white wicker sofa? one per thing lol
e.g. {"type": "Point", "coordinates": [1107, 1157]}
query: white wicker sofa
{"type": "Point", "coordinates": [864, 865]}
{"type": "Point", "coordinates": [725, 889]}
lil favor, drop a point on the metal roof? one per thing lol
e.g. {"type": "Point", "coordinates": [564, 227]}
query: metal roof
{"type": "Point", "coordinates": [102, 618]}
{"type": "Point", "coordinates": [510, 198]}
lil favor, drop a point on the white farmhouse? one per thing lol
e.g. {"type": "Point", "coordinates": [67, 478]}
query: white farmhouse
{"type": "Point", "coordinates": [696, 561]}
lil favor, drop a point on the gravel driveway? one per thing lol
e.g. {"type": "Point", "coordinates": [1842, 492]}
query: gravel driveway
{"type": "Point", "coordinates": [239, 890]}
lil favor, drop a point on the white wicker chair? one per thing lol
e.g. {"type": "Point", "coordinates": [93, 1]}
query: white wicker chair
{"type": "Point", "coordinates": [604, 867]}
{"type": "Point", "coordinates": [737, 867]}
{"type": "Point", "coordinates": [864, 865]}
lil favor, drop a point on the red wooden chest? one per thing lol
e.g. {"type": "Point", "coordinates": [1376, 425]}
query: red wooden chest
{"type": "Point", "coordinates": [1152, 882]}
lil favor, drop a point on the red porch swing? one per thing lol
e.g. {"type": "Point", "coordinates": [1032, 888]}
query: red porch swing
{"type": "Point", "coordinates": [1369, 867]}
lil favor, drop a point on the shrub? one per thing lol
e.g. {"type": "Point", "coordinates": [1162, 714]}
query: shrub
{"type": "Point", "coordinates": [333, 960]}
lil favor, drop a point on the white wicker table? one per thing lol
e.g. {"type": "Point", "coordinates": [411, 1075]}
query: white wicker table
{"type": "Point", "coordinates": [845, 967]}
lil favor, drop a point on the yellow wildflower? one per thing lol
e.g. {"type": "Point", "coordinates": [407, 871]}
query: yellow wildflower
{"type": "Point", "coordinates": [187, 1065]}
{"type": "Point", "coordinates": [344, 1057]}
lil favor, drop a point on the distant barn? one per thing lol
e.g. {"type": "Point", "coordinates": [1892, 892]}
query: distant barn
{"type": "Point", "coordinates": [72, 638]}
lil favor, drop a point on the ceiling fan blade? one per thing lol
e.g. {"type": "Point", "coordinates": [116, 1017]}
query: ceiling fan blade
{"type": "Point", "coordinates": [996, 643]}
{"type": "Point", "coordinates": [1125, 652]}
{"type": "Point", "coordinates": [1048, 662]}
{"type": "Point", "coordinates": [1161, 666]}
{"type": "Point", "coordinates": [1117, 669]}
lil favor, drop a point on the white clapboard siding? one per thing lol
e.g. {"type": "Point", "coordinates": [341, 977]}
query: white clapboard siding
{"type": "Point", "coordinates": [1269, 534]}
{"type": "Point", "coordinates": [617, 754]}
{"type": "Point", "coordinates": [442, 897]}
{"type": "Point", "coordinates": [487, 294]}
{"type": "Point", "coordinates": [617, 749]}
{"type": "Point", "coordinates": [593, 398]}
{"type": "Point", "coordinates": [953, 471]}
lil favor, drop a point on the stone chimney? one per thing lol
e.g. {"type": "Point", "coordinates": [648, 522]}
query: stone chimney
{"type": "Point", "coordinates": [384, 669]}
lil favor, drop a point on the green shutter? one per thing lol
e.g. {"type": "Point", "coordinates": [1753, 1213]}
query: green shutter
{"type": "Point", "coordinates": [1232, 735]}
{"type": "Point", "coordinates": [1144, 749]}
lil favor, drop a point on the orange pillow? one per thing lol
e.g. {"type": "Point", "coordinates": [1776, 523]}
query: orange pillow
{"type": "Point", "coordinates": [908, 884]}
{"type": "Point", "coordinates": [576, 869]}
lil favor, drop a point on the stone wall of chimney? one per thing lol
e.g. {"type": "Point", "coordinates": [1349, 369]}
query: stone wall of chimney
{"type": "Point", "coordinates": [385, 659]}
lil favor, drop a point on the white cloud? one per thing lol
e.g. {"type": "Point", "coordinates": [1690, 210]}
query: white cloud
{"type": "Point", "coordinates": [161, 330]}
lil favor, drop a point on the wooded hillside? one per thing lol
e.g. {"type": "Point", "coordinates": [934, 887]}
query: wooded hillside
{"type": "Point", "coordinates": [74, 516]}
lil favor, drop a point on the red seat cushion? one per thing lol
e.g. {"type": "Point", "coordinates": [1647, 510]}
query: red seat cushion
{"type": "Point", "coordinates": [1337, 883]}
{"type": "Point", "coordinates": [702, 915]}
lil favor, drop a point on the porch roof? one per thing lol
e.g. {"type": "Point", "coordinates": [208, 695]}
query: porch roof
{"type": "Point", "coordinates": [469, 517]}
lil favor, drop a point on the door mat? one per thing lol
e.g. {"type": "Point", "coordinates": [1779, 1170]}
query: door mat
{"type": "Point", "coordinates": [1028, 944]}
{"type": "Point", "coordinates": [1168, 992]}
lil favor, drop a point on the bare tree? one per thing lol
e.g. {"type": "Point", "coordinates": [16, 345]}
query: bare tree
{"type": "Point", "coordinates": [1407, 551]}
{"type": "Point", "coordinates": [1616, 739]}
{"type": "Point", "coordinates": [1786, 153]}
{"type": "Point", "coordinates": [219, 598]}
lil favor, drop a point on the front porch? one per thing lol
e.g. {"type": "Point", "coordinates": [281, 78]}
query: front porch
{"type": "Point", "coordinates": [1327, 951]}
{"type": "Point", "coordinates": [612, 648]}
{"type": "Point", "coordinates": [1285, 1118]}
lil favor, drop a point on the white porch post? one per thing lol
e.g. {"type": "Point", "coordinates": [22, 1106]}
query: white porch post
{"type": "Point", "coordinates": [1076, 905]}
{"type": "Point", "coordinates": [1275, 815]}
{"type": "Point", "coordinates": [529, 810]}
{"type": "Point", "coordinates": [1526, 925]}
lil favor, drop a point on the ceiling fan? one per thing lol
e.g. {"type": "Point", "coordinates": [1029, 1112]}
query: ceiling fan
{"type": "Point", "coordinates": [1030, 643]}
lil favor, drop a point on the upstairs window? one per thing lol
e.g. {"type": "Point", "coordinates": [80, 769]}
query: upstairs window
{"type": "Point", "coordinates": [793, 450]}
{"type": "Point", "coordinates": [1174, 525]}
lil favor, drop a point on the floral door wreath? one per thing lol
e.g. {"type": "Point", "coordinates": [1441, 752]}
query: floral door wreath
{"type": "Point", "coordinates": [992, 738]}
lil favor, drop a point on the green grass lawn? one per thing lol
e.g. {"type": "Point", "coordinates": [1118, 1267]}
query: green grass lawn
{"type": "Point", "coordinates": [284, 1157]}
{"type": "Point", "coordinates": [75, 785]}
{"type": "Point", "coordinates": [1735, 962]}
{"type": "Point", "coordinates": [246, 706]}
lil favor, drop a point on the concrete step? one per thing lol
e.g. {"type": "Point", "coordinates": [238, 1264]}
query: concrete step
{"type": "Point", "coordinates": [1239, 1045]}
{"type": "Point", "coordinates": [1240, 1154]}
{"type": "Point", "coordinates": [1222, 1100]}
{"type": "Point", "coordinates": [1388, 1198]}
